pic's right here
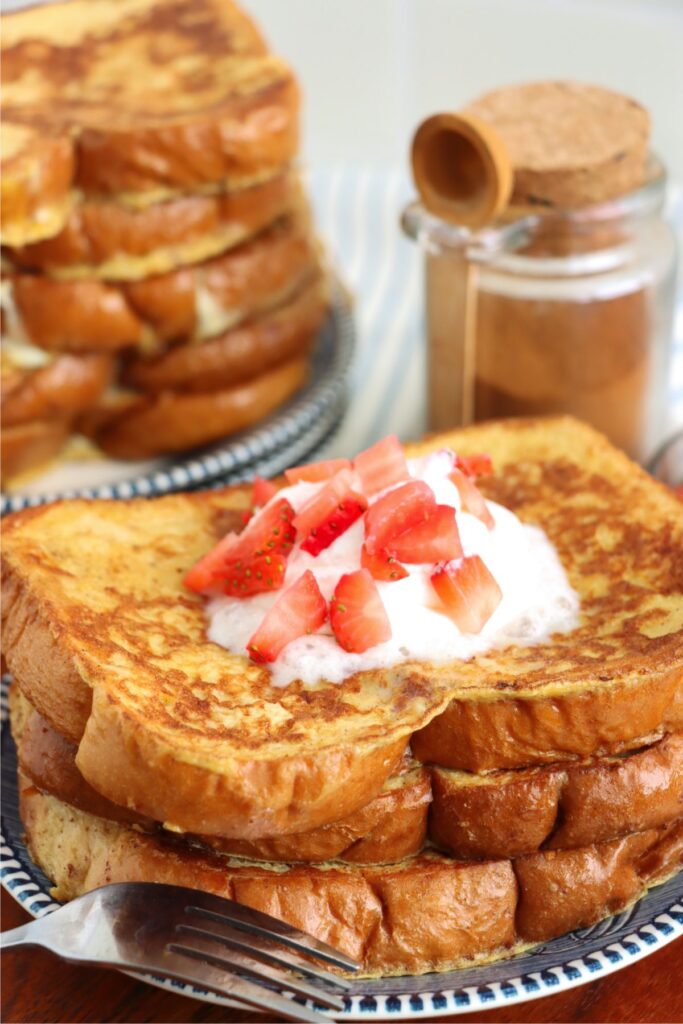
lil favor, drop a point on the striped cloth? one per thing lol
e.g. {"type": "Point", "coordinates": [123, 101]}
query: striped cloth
{"type": "Point", "coordinates": [358, 211]}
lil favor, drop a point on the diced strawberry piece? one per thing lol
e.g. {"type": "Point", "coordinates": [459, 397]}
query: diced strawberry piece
{"type": "Point", "coordinates": [270, 530]}
{"type": "Point", "coordinates": [262, 491]}
{"type": "Point", "coordinates": [358, 617]}
{"type": "Point", "coordinates": [474, 465]}
{"type": "Point", "coordinates": [436, 539]}
{"type": "Point", "coordinates": [203, 574]}
{"type": "Point", "coordinates": [472, 499]}
{"type": "Point", "coordinates": [326, 502]}
{"type": "Point", "coordinates": [382, 566]}
{"type": "Point", "coordinates": [246, 515]}
{"type": "Point", "coordinates": [345, 515]}
{"type": "Point", "coordinates": [314, 472]}
{"type": "Point", "coordinates": [301, 609]}
{"type": "Point", "coordinates": [396, 512]}
{"type": "Point", "coordinates": [469, 593]}
{"type": "Point", "coordinates": [255, 574]}
{"type": "Point", "coordinates": [382, 465]}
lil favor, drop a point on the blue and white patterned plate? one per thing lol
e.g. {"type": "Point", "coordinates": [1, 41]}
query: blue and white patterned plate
{"type": "Point", "coordinates": [564, 963]}
{"type": "Point", "coordinates": [291, 434]}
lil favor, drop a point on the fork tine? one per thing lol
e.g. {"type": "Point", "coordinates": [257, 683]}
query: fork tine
{"type": "Point", "coordinates": [243, 959]}
{"type": "Point", "coordinates": [228, 936]}
{"type": "Point", "coordinates": [203, 972]}
{"type": "Point", "coordinates": [255, 923]}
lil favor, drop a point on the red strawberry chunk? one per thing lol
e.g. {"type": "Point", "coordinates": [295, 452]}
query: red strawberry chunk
{"type": "Point", "coordinates": [436, 539]}
{"type": "Point", "coordinates": [326, 502]}
{"type": "Point", "coordinates": [358, 617]}
{"type": "Point", "coordinates": [301, 609]}
{"type": "Point", "coordinates": [382, 465]}
{"type": "Point", "coordinates": [270, 530]}
{"type": "Point", "coordinates": [337, 522]}
{"type": "Point", "coordinates": [382, 566]}
{"type": "Point", "coordinates": [469, 593]}
{"type": "Point", "coordinates": [472, 499]}
{"type": "Point", "coordinates": [256, 574]}
{"type": "Point", "coordinates": [203, 574]}
{"type": "Point", "coordinates": [396, 512]}
{"type": "Point", "coordinates": [316, 471]}
{"type": "Point", "coordinates": [262, 491]}
{"type": "Point", "coordinates": [474, 465]}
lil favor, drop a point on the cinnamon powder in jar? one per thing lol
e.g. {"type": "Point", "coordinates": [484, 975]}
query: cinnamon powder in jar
{"type": "Point", "coordinates": [576, 318]}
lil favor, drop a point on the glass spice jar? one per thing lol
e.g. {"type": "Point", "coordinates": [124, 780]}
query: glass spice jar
{"type": "Point", "coordinates": [571, 312]}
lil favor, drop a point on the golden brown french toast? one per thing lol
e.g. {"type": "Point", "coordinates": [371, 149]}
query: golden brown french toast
{"type": "Point", "coordinates": [135, 96]}
{"type": "Point", "coordinates": [556, 807]}
{"type": "Point", "coordinates": [383, 915]}
{"type": "Point", "coordinates": [389, 828]}
{"type": "Point", "coordinates": [472, 817]}
{"type": "Point", "coordinates": [108, 241]}
{"type": "Point", "coordinates": [105, 642]}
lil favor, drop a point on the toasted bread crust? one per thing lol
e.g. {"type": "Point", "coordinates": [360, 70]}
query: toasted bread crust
{"type": "Point", "coordinates": [216, 107]}
{"type": "Point", "coordinates": [389, 828]}
{"type": "Point", "coordinates": [384, 916]}
{"type": "Point", "coordinates": [556, 807]}
{"type": "Point", "coordinates": [34, 185]}
{"type": "Point", "coordinates": [479, 736]}
{"type": "Point", "coordinates": [172, 422]}
{"type": "Point", "coordinates": [60, 390]}
{"type": "Point", "coordinates": [507, 814]}
{"type": "Point", "coordinates": [30, 445]}
{"type": "Point", "coordinates": [240, 353]}
{"type": "Point", "coordinates": [100, 316]}
{"type": "Point", "coordinates": [108, 240]}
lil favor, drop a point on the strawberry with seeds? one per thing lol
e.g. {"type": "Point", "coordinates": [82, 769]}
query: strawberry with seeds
{"type": "Point", "coordinates": [330, 512]}
{"type": "Point", "coordinates": [468, 591]}
{"type": "Point", "coordinates": [382, 566]}
{"type": "Point", "coordinates": [251, 562]}
{"type": "Point", "coordinates": [300, 610]}
{"type": "Point", "coordinates": [357, 615]}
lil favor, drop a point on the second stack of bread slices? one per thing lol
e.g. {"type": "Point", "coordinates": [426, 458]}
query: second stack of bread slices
{"type": "Point", "coordinates": [175, 297]}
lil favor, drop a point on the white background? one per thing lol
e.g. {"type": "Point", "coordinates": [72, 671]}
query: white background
{"type": "Point", "coordinates": [372, 68]}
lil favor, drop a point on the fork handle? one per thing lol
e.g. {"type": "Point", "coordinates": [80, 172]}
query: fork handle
{"type": "Point", "coordinates": [24, 935]}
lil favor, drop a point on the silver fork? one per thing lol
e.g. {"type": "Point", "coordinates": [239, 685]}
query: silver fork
{"type": "Point", "coordinates": [197, 938]}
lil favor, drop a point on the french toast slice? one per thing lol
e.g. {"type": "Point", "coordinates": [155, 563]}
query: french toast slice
{"type": "Point", "coordinates": [216, 108]}
{"type": "Point", "coordinates": [107, 645]}
{"type": "Point", "coordinates": [425, 913]}
{"type": "Point", "coordinates": [193, 302]}
{"type": "Point", "coordinates": [65, 386]}
{"type": "Point", "coordinates": [556, 807]}
{"type": "Point", "coordinates": [109, 241]}
{"type": "Point", "coordinates": [472, 817]}
{"type": "Point", "coordinates": [389, 828]}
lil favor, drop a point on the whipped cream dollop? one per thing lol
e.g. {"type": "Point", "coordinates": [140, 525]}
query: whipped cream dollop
{"type": "Point", "coordinates": [537, 597]}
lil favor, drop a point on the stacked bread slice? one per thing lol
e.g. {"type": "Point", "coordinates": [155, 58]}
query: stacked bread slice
{"type": "Point", "coordinates": [162, 284]}
{"type": "Point", "coordinates": [418, 818]}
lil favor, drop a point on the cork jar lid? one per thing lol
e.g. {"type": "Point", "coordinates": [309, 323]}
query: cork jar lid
{"type": "Point", "coordinates": [570, 143]}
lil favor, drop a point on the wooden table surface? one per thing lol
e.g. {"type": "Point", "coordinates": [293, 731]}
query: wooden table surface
{"type": "Point", "coordinates": [37, 987]}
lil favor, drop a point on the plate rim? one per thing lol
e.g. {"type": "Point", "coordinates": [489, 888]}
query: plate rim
{"type": "Point", "coordinates": [26, 884]}
{"type": "Point", "coordinates": [238, 452]}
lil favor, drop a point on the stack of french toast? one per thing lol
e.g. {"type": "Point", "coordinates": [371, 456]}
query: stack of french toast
{"type": "Point", "coordinates": [418, 817]}
{"type": "Point", "coordinates": [162, 284]}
